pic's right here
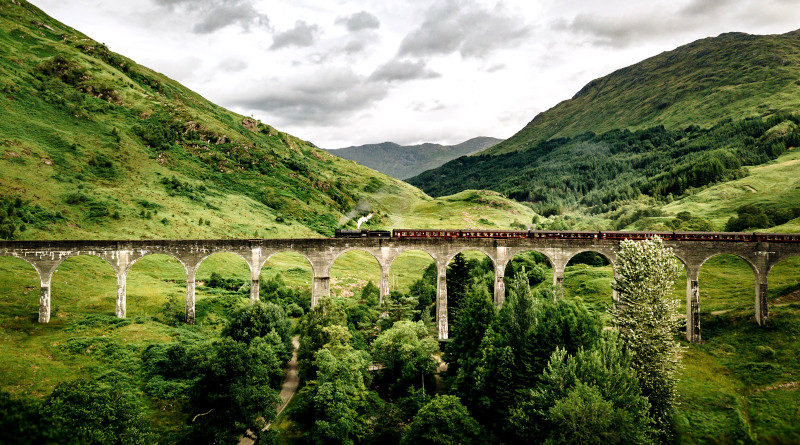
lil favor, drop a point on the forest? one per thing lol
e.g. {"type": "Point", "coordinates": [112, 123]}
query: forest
{"type": "Point", "coordinates": [597, 172]}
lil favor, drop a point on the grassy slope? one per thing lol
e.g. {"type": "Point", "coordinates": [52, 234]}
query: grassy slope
{"type": "Point", "coordinates": [700, 83]}
{"type": "Point", "coordinates": [776, 182]}
{"type": "Point", "coordinates": [71, 150]}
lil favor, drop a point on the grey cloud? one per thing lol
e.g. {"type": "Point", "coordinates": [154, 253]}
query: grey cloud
{"type": "Point", "coordinates": [400, 70]}
{"type": "Point", "coordinates": [355, 46]}
{"type": "Point", "coordinates": [301, 35]}
{"type": "Point", "coordinates": [327, 97]}
{"type": "Point", "coordinates": [697, 15]}
{"type": "Point", "coordinates": [461, 26]}
{"type": "Point", "coordinates": [217, 14]}
{"type": "Point", "coordinates": [358, 21]}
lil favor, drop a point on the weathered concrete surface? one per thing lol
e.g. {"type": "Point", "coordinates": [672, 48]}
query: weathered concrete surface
{"type": "Point", "coordinates": [45, 256]}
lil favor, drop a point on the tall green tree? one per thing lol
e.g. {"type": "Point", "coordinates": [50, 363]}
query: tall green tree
{"type": "Point", "coordinates": [334, 407]}
{"type": "Point", "coordinates": [444, 420]}
{"type": "Point", "coordinates": [646, 317]}
{"type": "Point", "coordinates": [235, 389]}
{"type": "Point", "coordinates": [459, 277]}
{"type": "Point", "coordinates": [98, 411]}
{"type": "Point", "coordinates": [313, 335]}
{"type": "Point", "coordinates": [259, 320]}
{"type": "Point", "coordinates": [466, 333]}
{"type": "Point", "coordinates": [406, 352]}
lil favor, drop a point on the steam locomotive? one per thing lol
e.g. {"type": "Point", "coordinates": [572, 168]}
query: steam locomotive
{"type": "Point", "coordinates": [570, 234]}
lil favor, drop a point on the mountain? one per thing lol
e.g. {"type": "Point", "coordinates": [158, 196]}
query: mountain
{"type": "Point", "coordinates": [701, 83]}
{"type": "Point", "coordinates": [405, 161]}
{"type": "Point", "coordinates": [648, 134]}
{"type": "Point", "coordinates": [93, 145]}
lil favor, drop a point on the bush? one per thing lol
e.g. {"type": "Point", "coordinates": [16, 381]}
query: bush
{"type": "Point", "coordinates": [98, 411]}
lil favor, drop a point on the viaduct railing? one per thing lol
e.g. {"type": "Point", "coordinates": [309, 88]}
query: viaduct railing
{"type": "Point", "coordinates": [45, 256]}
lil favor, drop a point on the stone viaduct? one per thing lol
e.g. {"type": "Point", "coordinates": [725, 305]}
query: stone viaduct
{"type": "Point", "coordinates": [45, 256]}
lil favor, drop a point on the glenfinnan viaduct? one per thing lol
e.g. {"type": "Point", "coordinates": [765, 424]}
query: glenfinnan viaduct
{"type": "Point", "coordinates": [45, 256]}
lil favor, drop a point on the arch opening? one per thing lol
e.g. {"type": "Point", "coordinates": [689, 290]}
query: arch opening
{"type": "Point", "coordinates": [156, 286]}
{"type": "Point", "coordinates": [587, 277]}
{"type": "Point", "coordinates": [413, 276]}
{"type": "Point", "coordinates": [222, 282]}
{"type": "Point", "coordinates": [285, 279]}
{"type": "Point", "coordinates": [784, 284]}
{"type": "Point", "coordinates": [727, 285]}
{"type": "Point", "coordinates": [536, 266]}
{"type": "Point", "coordinates": [355, 275]}
{"type": "Point", "coordinates": [19, 290]}
{"type": "Point", "coordinates": [83, 285]}
{"type": "Point", "coordinates": [466, 268]}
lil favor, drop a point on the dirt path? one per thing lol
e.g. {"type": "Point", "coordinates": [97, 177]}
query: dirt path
{"type": "Point", "coordinates": [288, 390]}
{"type": "Point", "coordinates": [292, 379]}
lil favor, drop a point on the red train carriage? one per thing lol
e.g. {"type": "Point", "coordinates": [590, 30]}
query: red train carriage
{"type": "Point", "coordinates": [777, 237]}
{"type": "Point", "coordinates": [713, 236]}
{"type": "Point", "coordinates": [494, 234]}
{"type": "Point", "coordinates": [576, 234]}
{"type": "Point", "coordinates": [622, 235]}
{"type": "Point", "coordinates": [426, 233]}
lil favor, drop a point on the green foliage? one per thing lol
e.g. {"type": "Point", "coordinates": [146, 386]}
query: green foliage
{"type": "Point", "coordinates": [592, 396]}
{"type": "Point", "coordinates": [462, 353]}
{"type": "Point", "coordinates": [406, 353]}
{"type": "Point", "coordinates": [646, 319]}
{"type": "Point", "coordinates": [22, 421]}
{"type": "Point", "coordinates": [234, 390]}
{"type": "Point", "coordinates": [444, 420]}
{"type": "Point", "coordinates": [313, 335]}
{"type": "Point", "coordinates": [98, 411]}
{"type": "Point", "coordinates": [517, 346]}
{"type": "Point", "coordinates": [15, 214]}
{"type": "Point", "coordinates": [761, 216]}
{"type": "Point", "coordinates": [334, 407]}
{"type": "Point", "coordinates": [217, 281]}
{"type": "Point", "coordinates": [597, 171]}
{"type": "Point", "coordinates": [297, 302]}
{"type": "Point", "coordinates": [261, 320]}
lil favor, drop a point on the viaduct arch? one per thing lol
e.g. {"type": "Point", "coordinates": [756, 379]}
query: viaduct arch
{"type": "Point", "coordinates": [321, 252]}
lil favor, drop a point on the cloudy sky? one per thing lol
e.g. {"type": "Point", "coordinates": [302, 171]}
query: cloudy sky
{"type": "Point", "coordinates": [348, 72]}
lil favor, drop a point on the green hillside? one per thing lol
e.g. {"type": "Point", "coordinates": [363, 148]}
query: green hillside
{"type": "Point", "coordinates": [702, 83]}
{"type": "Point", "coordinates": [93, 145]}
{"type": "Point", "coordinates": [405, 161]}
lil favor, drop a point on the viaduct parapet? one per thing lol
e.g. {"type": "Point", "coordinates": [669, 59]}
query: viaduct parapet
{"type": "Point", "coordinates": [45, 256]}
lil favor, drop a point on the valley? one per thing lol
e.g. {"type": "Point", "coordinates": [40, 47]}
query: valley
{"type": "Point", "coordinates": [94, 146]}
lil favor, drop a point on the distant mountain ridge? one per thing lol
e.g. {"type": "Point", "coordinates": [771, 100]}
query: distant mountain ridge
{"type": "Point", "coordinates": [405, 161]}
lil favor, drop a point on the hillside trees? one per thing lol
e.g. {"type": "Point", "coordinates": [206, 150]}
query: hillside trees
{"type": "Point", "coordinates": [646, 319]}
{"type": "Point", "coordinates": [598, 171]}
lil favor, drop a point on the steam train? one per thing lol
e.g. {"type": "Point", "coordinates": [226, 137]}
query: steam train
{"type": "Point", "coordinates": [570, 234]}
